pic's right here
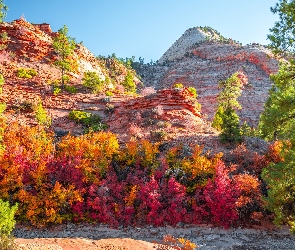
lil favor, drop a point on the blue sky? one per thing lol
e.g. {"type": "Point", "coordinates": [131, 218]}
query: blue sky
{"type": "Point", "coordinates": [146, 28]}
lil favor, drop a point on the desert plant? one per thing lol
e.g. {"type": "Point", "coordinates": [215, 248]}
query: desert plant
{"type": "Point", "coordinates": [4, 37]}
{"type": "Point", "coordinates": [92, 81]}
{"type": "Point", "coordinates": [41, 116]}
{"type": "Point", "coordinates": [178, 86]}
{"type": "Point", "coordinates": [3, 10]}
{"type": "Point", "coordinates": [2, 107]}
{"type": "Point", "coordinates": [109, 93]}
{"type": "Point", "coordinates": [90, 121]}
{"type": "Point", "coordinates": [71, 89]}
{"type": "Point", "coordinates": [26, 73]}
{"type": "Point", "coordinates": [171, 242]}
{"type": "Point", "coordinates": [193, 91]}
{"type": "Point", "coordinates": [64, 46]}
{"type": "Point", "coordinates": [128, 83]}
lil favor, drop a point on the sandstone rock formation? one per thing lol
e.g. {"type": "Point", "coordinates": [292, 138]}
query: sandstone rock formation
{"type": "Point", "coordinates": [194, 61]}
{"type": "Point", "coordinates": [200, 58]}
{"type": "Point", "coordinates": [186, 41]}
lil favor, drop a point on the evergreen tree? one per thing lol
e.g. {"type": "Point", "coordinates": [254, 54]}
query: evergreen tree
{"type": "Point", "coordinates": [226, 119]}
{"type": "Point", "coordinates": [128, 83]}
{"type": "Point", "coordinates": [230, 129]}
{"type": "Point", "coordinates": [278, 119]}
{"type": "Point", "coordinates": [280, 179]}
{"type": "Point", "coordinates": [217, 120]}
{"type": "Point", "coordinates": [282, 35]}
{"type": "Point", "coordinates": [3, 10]}
{"type": "Point", "coordinates": [64, 46]}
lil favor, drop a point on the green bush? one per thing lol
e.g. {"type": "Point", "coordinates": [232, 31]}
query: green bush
{"type": "Point", "coordinates": [56, 90]}
{"type": "Point", "coordinates": [178, 86]}
{"type": "Point", "coordinates": [71, 89]}
{"type": "Point", "coordinates": [92, 81]}
{"type": "Point", "coordinates": [2, 107]}
{"type": "Point", "coordinates": [193, 91]}
{"type": "Point", "coordinates": [89, 121]}
{"type": "Point", "coordinates": [26, 73]}
{"type": "Point", "coordinates": [3, 36]}
{"type": "Point", "coordinates": [109, 93]}
{"type": "Point", "coordinates": [7, 223]}
{"type": "Point", "coordinates": [25, 107]}
{"type": "Point", "coordinates": [41, 116]}
{"type": "Point", "coordinates": [1, 82]}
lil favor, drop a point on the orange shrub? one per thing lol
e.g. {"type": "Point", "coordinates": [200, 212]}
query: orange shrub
{"type": "Point", "coordinates": [143, 152]}
{"type": "Point", "coordinates": [95, 149]}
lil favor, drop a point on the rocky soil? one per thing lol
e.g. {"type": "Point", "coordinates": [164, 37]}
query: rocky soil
{"type": "Point", "coordinates": [86, 236]}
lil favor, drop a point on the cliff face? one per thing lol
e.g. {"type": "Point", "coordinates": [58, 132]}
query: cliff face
{"type": "Point", "coordinates": [194, 60]}
{"type": "Point", "coordinates": [200, 58]}
{"type": "Point", "coordinates": [31, 46]}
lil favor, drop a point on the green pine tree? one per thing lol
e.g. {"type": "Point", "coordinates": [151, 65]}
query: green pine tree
{"type": "Point", "coordinates": [3, 10]}
{"type": "Point", "coordinates": [230, 129]}
{"type": "Point", "coordinates": [226, 119]}
{"type": "Point", "coordinates": [278, 119]}
{"type": "Point", "coordinates": [128, 83]}
{"type": "Point", "coordinates": [218, 118]}
{"type": "Point", "coordinates": [64, 46]}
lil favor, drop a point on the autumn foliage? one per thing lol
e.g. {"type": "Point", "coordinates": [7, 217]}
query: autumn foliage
{"type": "Point", "coordinates": [92, 178]}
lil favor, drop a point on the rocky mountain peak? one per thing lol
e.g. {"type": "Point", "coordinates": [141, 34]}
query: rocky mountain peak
{"type": "Point", "coordinates": [190, 37]}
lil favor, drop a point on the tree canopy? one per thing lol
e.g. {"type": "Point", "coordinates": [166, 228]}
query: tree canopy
{"type": "Point", "coordinates": [3, 10]}
{"type": "Point", "coordinates": [226, 119]}
{"type": "Point", "coordinates": [278, 118]}
{"type": "Point", "coordinates": [282, 35]}
{"type": "Point", "coordinates": [64, 46]}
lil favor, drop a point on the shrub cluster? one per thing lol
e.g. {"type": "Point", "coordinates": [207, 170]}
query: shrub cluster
{"type": "Point", "coordinates": [92, 81]}
{"type": "Point", "coordinates": [90, 122]}
{"type": "Point", "coordinates": [92, 178]}
{"type": "Point", "coordinates": [26, 73]}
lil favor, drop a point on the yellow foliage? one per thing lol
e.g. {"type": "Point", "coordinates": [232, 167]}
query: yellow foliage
{"type": "Point", "coordinates": [95, 149]}
{"type": "Point", "coordinates": [46, 205]}
{"type": "Point", "coordinates": [141, 151]}
{"type": "Point", "coordinates": [129, 201]}
{"type": "Point", "coordinates": [34, 142]}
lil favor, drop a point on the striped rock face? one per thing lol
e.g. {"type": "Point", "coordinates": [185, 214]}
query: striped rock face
{"type": "Point", "coordinates": [201, 60]}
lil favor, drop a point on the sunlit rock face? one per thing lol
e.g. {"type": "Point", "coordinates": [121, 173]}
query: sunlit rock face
{"type": "Point", "coordinates": [203, 58]}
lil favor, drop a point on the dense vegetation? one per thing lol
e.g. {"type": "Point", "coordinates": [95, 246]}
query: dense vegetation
{"type": "Point", "coordinates": [92, 178]}
{"type": "Point", "coordinates": [278, 119]}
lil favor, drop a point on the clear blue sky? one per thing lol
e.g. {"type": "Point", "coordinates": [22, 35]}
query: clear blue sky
{"type": "Point", "coordinates": [146, 28]}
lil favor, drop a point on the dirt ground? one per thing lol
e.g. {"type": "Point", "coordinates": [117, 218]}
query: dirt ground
{"type": "Point", "coordinates": [206, 237]}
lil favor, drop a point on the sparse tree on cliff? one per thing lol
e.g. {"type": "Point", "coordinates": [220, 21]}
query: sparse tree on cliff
{"type": "Point", "coordinates": [128, 83]}
{"type": "Point", "coordinates": [64, 46]}
{"type": "Point", "coordinates": [3, 10]}
{"type": "Point", "coordinates": [226, 119]}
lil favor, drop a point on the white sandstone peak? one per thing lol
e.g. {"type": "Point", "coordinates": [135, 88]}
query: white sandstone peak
{"type": "Point", "coordinates": [190, 37]}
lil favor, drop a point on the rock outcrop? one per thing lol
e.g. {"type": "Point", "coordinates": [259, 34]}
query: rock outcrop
{"type": "Point", "coordinates": [202, 64]}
